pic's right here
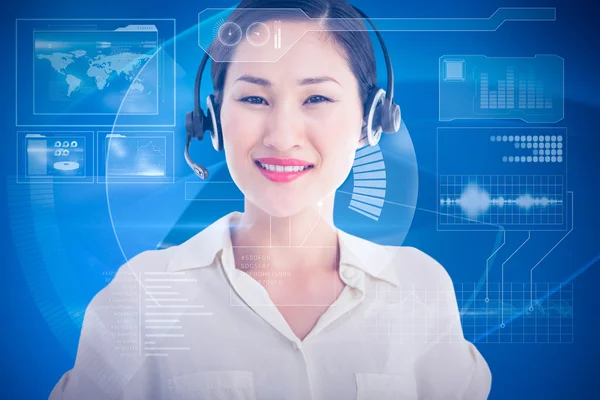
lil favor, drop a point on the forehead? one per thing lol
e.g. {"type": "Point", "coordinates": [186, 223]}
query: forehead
{"type": "Point", "coordinates": [306, 51]}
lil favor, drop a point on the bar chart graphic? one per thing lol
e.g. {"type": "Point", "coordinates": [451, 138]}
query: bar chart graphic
{"type": "Point", "coordinates": [480, 87]}
{"type": "Point", "coordinates": [530, 91]}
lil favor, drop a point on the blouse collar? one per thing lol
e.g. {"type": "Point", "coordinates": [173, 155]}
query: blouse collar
{"type": "Point", "coordinates": [200, 250]}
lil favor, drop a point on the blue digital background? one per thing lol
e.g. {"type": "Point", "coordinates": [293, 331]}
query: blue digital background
{"type": "Point", "coordinates": [35, 354]}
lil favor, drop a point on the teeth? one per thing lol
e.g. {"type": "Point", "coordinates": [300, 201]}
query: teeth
{"type": "Point", "coordinates": [281, 168]}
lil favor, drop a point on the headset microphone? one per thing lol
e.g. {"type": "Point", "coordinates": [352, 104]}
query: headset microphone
{"type": "Point", "coordinates": [380, 112]}
{"type": "Point", "coordinates": [198, 169]}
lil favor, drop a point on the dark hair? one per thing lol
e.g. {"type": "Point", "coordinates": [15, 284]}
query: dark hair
{"type": "Point", "coordinates": [344, 26]}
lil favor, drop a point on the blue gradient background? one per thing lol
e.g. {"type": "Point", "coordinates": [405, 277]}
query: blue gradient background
{"type": "Point", "coordinates": [34, 358]}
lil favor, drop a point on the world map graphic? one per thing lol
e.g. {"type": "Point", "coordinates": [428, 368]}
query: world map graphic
{"type": "Point", "coordinates": [100, 69]}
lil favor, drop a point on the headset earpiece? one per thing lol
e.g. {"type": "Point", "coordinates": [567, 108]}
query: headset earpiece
{"type": "Point", "coordinates": [390, 116]}
{"type": "Point", "coordinates": [372, 115]}
{"type": "Point", "coordinates": [380, 115]}
{"type": "Point", "coordinates": [214, 119]}
{"type": "Point", "coordinates": [194, 125]}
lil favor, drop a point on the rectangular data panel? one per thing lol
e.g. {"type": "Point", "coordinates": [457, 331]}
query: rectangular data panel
{"type": "Point", "coordinates": [514, 178]}
{"type": "Point", "coordinates": [541, 312]}
{"type": "Point", "coordinates": [89, 72]}
{"type": "Point", "coordinates": [135, 157]}
{"type": "Point", "coordinates": [55, 157]}
{"type": "Point", "coordinates": [530, 89]}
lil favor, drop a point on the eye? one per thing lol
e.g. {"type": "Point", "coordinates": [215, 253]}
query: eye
{"type": "Point", "coordinates": [254, 100]}
{"type": "Point", "coordinates": [317, 99]}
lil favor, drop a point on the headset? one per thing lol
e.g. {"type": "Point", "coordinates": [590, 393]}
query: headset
{"type": "Point", "coordinates": [381, 114]}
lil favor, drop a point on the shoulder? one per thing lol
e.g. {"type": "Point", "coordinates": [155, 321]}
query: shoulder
{"type": "Point", "coordinates": [420, 266]}
{"type": "Point", "coordinates": [148, 261]}
{"type": "Point", "coordinates": [124, 281]}
{"type": "Point", "coordinates": [416, 266]}
{"type": "Point", "coordinates": [405, 264]}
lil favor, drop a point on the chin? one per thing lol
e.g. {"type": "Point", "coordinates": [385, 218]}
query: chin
{"type": "Point", "coordinates": [280, 208]}
{"type": "Point", "coordinates": [283, 200]}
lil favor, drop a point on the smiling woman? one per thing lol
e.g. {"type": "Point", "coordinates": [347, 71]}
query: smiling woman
{"type": "Point", "coordinates": [303, 107]}
{"type": "Point", "coordinates": [277, 302]}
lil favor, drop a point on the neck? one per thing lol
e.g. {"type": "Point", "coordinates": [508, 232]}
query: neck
{"type": "Point", "coordinates": [304, 242]}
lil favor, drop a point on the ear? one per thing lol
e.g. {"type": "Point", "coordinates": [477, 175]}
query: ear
{"type": "Point", "coordinates": [362, 140]}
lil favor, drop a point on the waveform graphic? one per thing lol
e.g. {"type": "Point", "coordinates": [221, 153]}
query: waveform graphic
{"type": "Point", "coordinates": [508, 310]}
{"type": "Point", "coordinates": [475, 201]}
{"type": "Point", "coordinates": [527, 201]}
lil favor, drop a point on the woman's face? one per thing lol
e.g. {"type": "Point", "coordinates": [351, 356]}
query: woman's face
{"type": "Point", "coordinates": [278, 110]}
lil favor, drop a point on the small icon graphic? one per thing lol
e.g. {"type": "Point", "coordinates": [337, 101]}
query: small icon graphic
{"type": "Point", "coordinates": [57, 158]}
{"type": "Point", "coordinates": [230, 34]}
{"type": "Point", "coordinates": [258, 34]}
{"type": "Point", "coordinates": [277, 35]}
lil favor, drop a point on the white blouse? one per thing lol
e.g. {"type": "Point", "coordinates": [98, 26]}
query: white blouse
{"type": "Point", "coordinates": [184, 323]}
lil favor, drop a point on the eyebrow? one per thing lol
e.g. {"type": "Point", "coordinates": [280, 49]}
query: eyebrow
{"type": "Point", "coordinates": [302, 82]}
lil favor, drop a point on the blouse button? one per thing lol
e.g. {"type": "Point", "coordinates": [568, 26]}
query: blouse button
{"type": "Point", "coordinates": [295, 346]}
{"type": "Point", "coordinates": [349, 272]}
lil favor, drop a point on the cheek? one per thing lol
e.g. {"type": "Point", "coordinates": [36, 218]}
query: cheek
{"type": "Point", "coordinates": [338, 141]}
{"type": "Point", "coordinates": [239, 132]}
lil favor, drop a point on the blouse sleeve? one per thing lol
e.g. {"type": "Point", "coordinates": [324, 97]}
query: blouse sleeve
{"type": "Point", "coordinates": [108, 364]}
{"type": "Point", "coordinates": [448, 367]}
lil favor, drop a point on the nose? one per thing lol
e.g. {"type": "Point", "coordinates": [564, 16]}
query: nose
{"type": "Point", "coordinates": [285, 128]}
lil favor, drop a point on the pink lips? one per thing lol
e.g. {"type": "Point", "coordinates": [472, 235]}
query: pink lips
{"type": "Point", "coordinates": [283, 176]}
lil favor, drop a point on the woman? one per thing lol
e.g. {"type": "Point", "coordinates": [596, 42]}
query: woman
{"type": "Point", "coordinates": [276, 302]}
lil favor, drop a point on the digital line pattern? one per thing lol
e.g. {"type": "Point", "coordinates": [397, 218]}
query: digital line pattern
{"type": "Point", "coordinates": [410, 314]}
{"type": "Point", "coordinates": [510, 317]}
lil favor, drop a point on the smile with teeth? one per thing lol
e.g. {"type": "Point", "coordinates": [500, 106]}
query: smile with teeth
{"type": "Point", "coordinates": [281, 168]}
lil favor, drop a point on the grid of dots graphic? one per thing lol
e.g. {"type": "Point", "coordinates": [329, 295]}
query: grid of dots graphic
{"type": "Point", "coordinates": [541, 149]}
